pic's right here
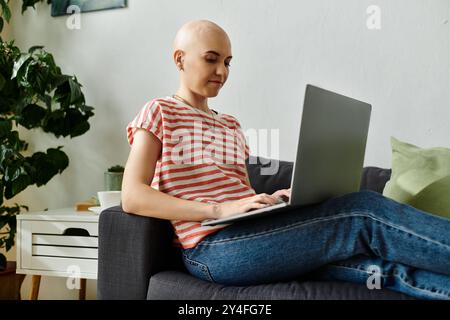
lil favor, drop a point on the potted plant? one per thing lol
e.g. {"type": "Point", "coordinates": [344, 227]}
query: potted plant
{"type": "Point", "coordinates": [34, 93]}
{"type": "Point", "coordinates": [113, 178]}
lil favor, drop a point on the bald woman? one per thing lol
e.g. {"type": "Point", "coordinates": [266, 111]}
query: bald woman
{"type": "Point", "coordinates": [179, 169]}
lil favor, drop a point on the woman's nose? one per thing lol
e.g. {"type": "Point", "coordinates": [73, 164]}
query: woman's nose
{"type": "Point", "coordinates": [222, 70]}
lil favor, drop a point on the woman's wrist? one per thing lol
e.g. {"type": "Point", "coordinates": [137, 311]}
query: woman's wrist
{"type": "Point", "coordinates": [214, 211]}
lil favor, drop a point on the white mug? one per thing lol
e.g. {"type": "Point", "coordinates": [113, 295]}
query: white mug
{"type": "Point", "coordinates": [108, 199]}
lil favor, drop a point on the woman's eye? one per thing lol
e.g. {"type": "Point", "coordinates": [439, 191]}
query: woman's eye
{"type": "Point", "coordinates": [214, 61]}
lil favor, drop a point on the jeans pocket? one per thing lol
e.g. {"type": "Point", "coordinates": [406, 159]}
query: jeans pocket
{"type": "Point", "coordinates": [197, 269]}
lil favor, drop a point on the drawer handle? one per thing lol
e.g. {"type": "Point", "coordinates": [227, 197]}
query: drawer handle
{"type": "Point", "coordinates": [76, 232]}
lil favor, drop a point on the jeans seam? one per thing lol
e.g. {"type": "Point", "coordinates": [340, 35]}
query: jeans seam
{"type": "Point", "coordinates": [385, 275]}
{"type": "Point", "coordinates": [206, 269]}
{"type": "Point", "coordinates": [353, 214]}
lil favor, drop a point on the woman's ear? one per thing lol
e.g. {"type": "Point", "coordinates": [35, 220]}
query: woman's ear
{"type": "Point", "coordinates": [178, 57]}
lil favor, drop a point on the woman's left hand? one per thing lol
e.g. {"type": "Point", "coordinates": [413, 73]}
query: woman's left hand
{"type": "Point", "coordinates": [282, 192]}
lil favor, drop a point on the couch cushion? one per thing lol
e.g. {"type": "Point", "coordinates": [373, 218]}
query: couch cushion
{"type": "Point", "coordinates": [265, 183]}
{"type": "Point", "coordinates": [420, 177]}
{"type": "Point", "coordinates": [175, 285]}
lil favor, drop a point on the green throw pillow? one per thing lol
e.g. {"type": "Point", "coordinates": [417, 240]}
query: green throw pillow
{"type": "Point", "coordinates": [420, 177]}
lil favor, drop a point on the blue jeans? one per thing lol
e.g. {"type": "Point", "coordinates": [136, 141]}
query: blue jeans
{"type": "Point", "coordinates": [356, 237]}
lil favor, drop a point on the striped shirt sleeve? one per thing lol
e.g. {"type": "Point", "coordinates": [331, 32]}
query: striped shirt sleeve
{"type": "Point", "coordinates": [148, 118]}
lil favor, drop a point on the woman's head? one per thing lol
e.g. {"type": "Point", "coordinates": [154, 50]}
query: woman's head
{"type": "Point", "coordinates": [202, 53]}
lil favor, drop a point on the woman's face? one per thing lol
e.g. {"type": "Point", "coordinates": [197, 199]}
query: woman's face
{"type": "Point", "coordinates": [206, 66]}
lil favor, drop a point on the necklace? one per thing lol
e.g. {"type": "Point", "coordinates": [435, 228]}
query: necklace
{"type": "Point", "coordinates": [175, 96]}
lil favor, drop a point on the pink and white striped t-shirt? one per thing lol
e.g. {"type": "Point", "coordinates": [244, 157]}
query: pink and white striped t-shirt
{"type": "Point", "coordinates": [202, 159]}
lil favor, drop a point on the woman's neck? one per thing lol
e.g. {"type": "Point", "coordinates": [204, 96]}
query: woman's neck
{"type": "Point", "coordinates": [194, 100]}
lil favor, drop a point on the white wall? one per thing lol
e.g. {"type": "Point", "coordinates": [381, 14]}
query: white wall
{"type": "Point", "coordinates": [123, 58]}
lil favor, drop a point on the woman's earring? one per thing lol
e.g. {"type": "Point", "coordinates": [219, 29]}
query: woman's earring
{"type": "Point", "coordinates": [180, 67]}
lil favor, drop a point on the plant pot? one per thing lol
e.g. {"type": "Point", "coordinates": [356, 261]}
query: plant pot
{"type": "Point", "coordinates": [10, 282]}
{"type": "Point", "coordinates": [113, 181]}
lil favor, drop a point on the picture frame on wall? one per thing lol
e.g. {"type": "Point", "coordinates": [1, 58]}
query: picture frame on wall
{"type": "Point", "coordinates": [63, 7]}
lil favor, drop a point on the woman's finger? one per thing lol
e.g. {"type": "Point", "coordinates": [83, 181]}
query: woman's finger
{"type": "Point", "coordinates": [282, 192]}
{"type": "Point", "coordinates": [254, 205]}
{"type": "Point", "coordinates": [266, 198]}
{"type": "Point", "coordinates": [278, 193]}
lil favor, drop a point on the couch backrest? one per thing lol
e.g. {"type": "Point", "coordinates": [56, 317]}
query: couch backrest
{"type": "Point", "coordinates": [373, 178]}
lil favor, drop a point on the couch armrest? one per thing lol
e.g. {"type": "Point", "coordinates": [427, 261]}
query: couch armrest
{"type": "Point", "coordinates": [131, 249]}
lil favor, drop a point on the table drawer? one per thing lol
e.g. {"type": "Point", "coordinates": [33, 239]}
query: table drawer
{"type": "Point", "coordinates": [63, 227]}
{"type": "Point", "coordinates": [87, 268]}
{"type": "Point", "coordinates": [71, 252]}
{"type": "Point", "coordinates": [78, 241]}
{"type": "Point", "coordinates": [59, 246]}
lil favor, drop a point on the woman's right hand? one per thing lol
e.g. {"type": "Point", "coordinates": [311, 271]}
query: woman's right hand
{"type": "Point", "coordinates": [230, 208]}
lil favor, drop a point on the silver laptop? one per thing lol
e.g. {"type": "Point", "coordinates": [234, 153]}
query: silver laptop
{"type": "Point", "coordinates": [330, 152]}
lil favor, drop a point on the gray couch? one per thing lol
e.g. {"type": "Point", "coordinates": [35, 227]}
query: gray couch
{"type": "Point", "coordinates": [137, 261]}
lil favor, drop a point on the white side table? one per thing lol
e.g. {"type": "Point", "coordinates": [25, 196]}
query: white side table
{"type": "Point", "coordinates": [62, 243]}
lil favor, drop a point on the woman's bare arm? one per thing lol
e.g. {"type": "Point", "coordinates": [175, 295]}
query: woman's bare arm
{"type": "Point", "coordinates": [139, 198]}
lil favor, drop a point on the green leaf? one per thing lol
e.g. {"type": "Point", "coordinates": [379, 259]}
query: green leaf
{"type": "Point", "coordinates": [5, 127]}
{"type": "Point", "coordinates": [16, 144]}
{"type": "Point", "coordinates": [75, 91]}
{"type": "Point", "coordinates": [34, 48]}
{"type": "Point", "coordinates": [116, 168]}
{"type": "Point", "coordinates": [39, 77]}
{"type": "Point", "coordinates": [80, 129]}
{"type": "Point", "coordinates": [47, 58]}
{"type": "Point", "coordinates": [18, 64]}
{"type": "Point", "coordinates": [2, 78]}
{"type": "Point", "coordinates": [22, 103]}
{"type": "Point", "coordinates": [3, 220]}
{"type": "Point", "coordinates": [87, 110]}
{"type": "Point", "coordinates": [5, 156]}
{"type": "Point", "coordinates": [46, 99]}
{"type": "Point", "coordinates": [76, 122]}
{"type": "Point", "coordinates": [45, 168]}
{"type": "Point", "coordinates": [33, 75]}
{"type": "Point", "coordinates": [16, 179]}
{"type": "Point", "coordinates": [28, 3]}
{"type": "Point", "coordinates": [32, 116]}
{"type": "Point", "coordinates": [58, 158]}
{"type": "Point", "coordinates": [13, 171]}
{"type": "Point", "coordinates": [6, 13]}
{"type": "Point", "coordinates": [9, 242]}
{"type": "Point", "coordinates": [62, 93]}
{"type": "Point", "coordinates": [60, 79]}
{"type": "Point", "coordinates": [54, 122]}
